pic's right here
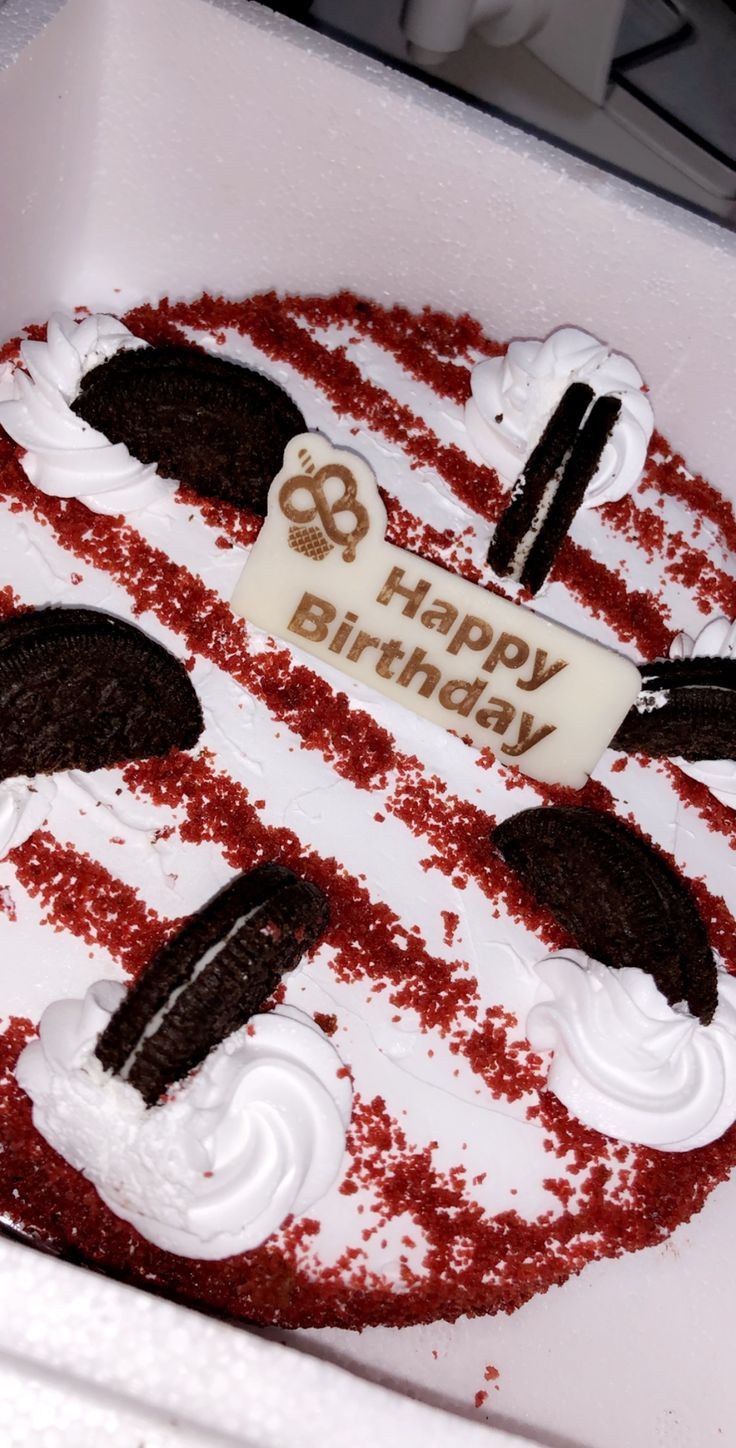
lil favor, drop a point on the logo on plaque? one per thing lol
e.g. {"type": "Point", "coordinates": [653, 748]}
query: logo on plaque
{"type": "Point", "coordinates": [329, 494]}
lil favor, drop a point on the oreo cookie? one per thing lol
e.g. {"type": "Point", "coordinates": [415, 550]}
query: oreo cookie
{"type": "Point", "coordinates": [552, 486]}
{"type": "Point", "coordinates": [578, 472]}
{"type": "Point", "coordinates": [615, 896]}
{"type": "Point", "coordinates": [686, 710]}
{"type": "Point", "coordinates": [215, 426]}
{"type": "Point", "coordinates": [84, 690]}
{"type": "Point", "coordinates": [527, 499]}
{"type": "Point", "coordinates": [207, 982]}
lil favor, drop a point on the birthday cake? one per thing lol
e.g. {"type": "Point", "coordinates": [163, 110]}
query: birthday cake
{"type": "Point", "coordinates": [424, 1019]}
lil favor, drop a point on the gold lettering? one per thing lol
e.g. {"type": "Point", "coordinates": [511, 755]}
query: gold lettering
{"type": "Point", "coordinates": [415, 666]}
{"type": "Point", "coordinates": [362, 641]}
{"type": "Point", "coordinates": [473, 633]}
{"type": "Point", "coordinates": [312, 617]}
{"type": "Point", "coordinates": [414, 596]}
{"type": "Point", "coordinates": [496, 716]}
{"type": "Point", "coordinates": [540, 674]}
{"type": "Point", "coordinates": [342, 634]}
{"type": "Point", "coordinates": [389, 654]}
{"type": "Point", "coordinates": [508, 650]}
{"type": "Point", "coordinates": [527, 739]}
{"type": "Point", "coordinates": [441, 615]}
{"type": "Point", "coordinates": [460, 695]}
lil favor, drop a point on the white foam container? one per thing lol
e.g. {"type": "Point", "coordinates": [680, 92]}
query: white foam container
{"type": "Point", "coordinates": [165, 146]}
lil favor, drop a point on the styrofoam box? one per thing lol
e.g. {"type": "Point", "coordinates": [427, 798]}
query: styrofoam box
{"type": "Point", "coordinates": [165, 146]}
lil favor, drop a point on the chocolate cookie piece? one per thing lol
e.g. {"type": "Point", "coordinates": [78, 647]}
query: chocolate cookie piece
{"type": "Point", "coordinates": [216, 973]}
{"type": "Point", "coordinates": [521, 516]}
{"type": "Point", "coordinates": [615, 896]}
{"type": "Point", "coordinates": [552, 486]}
{"type": "Point", "coordinates": [686, 710]}
{"type": "Point", "coordinates": [579, 470]}
{"type": "Point", "coordinates": [213, 425]}
{"type": "Point", "coordinates": [80, 689]}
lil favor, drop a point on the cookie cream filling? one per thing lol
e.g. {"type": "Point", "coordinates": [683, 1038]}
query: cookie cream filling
{"type": "Point", "coordinates": [255, 1135]}
{"type": "Point", "coordinates": [628, 1063]}
{"type": "Point", "coordinates": [64, 456]}
{"type": "Point", "coordinates": [514, 396]}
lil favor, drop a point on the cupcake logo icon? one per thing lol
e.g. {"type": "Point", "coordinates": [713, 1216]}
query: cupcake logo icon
{"type": "Point", "coordinates": [322, 507]}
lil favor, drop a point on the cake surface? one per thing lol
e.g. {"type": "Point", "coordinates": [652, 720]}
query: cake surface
{"type": "Point", "coordinates": [467, 1186]}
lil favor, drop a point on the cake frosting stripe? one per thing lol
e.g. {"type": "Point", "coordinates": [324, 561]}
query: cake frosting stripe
{"type": "Point", "coordinates": [486, 1260]}
{"type": "Point", "coordinates": [80, 895]}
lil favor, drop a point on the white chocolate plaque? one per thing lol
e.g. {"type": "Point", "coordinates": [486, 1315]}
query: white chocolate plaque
{"type": "Point", "coordinates": [322, 576]}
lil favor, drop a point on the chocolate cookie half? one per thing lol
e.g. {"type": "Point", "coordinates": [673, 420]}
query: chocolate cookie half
{"type": "Point", "coordinates": [615, 896]}
{"type": "Point", "coordinates": [686, 710]}
{"type": "Point", "coordinates": [216, 973]}
{"type": "Point", "coordinates": [213, 425]}
{"type": "Point", "coordinates": [84, 690]}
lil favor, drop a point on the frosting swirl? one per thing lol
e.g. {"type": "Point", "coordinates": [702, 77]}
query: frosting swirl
{"type": "Point", "coordinates": [514, 396]}
{"type": "Point", "coordinates": [24, 808]}
{"type": "Point", "coordinates": [258, 1133]}
{"type": "Point", "coordinates": [717, 640]}
{"type": "Point", "coordinates": [628, 1063]}
{"type": "Point", "coordinates": [64, 456]}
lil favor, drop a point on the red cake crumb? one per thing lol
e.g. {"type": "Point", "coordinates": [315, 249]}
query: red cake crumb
{"type": "Point", "coordinates": [718, 816]}
{"type": "Point", "coordinates": [80, 895]}
{"type": "Point", "coordinates": [452, 921]}
{"type": "Point", "coordinates": [326, 1022]}
{"type": "Point", "coordinates": [10, 602]}
{"type": "Point", "coordinates": [671, 476]}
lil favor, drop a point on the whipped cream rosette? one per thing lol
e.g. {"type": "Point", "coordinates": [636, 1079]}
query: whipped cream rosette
{"type": "Point", "coordinates": [64, 456]}
{"type": "Point", "coordinates": [107, 419]}
{"type": "Point", "coordinates": [514, 396]}
{"type": "Point", "coordinates": [258, 1133]}
{"type": "Point", "coordinates": [627, 1062]}
{"type": "Point", "coordinates": [202, 1131]}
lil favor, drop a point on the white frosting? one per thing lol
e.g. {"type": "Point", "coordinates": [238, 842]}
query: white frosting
{"type": "Point", "coordinates": [514, 396]}
{"type": "Point", "coordinates": [717, 640]}
{"type": "Point", "coordinates": [256, 1134]}
{"type": "Point", "coordinates": [64, 456]}
{"type": "Point", "coordinates": [628, 1063]}
{"type": "Point", "coordinates": [24, 808]}
{"type": "Point", "coordinates": [430, 1088]}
